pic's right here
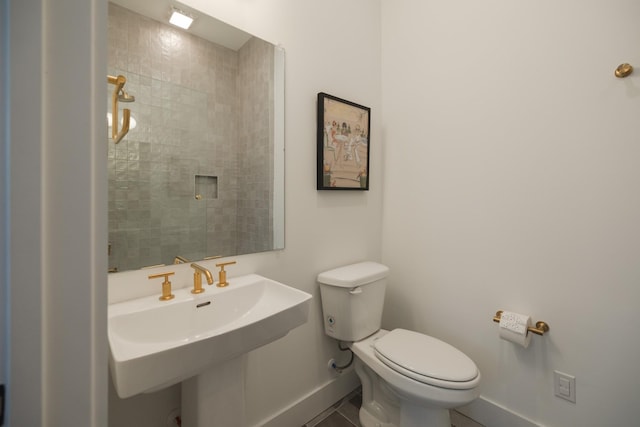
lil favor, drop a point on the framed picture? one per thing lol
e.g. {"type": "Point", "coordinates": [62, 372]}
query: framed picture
{"type": "Point", "coordinates": [343, 144]}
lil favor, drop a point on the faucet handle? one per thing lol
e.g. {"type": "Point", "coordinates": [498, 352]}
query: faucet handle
{"type": "Point", "coordinates": [222, 275]}
{"type": "Point", "coordinates": [166, 285]}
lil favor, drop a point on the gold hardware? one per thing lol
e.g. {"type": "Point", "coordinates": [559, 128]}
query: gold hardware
{"type": "Point", "coordinates": [113, 269]}
{"type": "Point", "coordinates": [222, 275]}
{"type": "Point", "coordinates": [180, 260]}
{"type": "Point", "coordinates": [213, 257]}
{"type": "Point", "coordinates": [146, 267]}
{"type": "Point", "coordinates": [126, 113]}
{"type": "Point", "coordinates": [197, 278]}
{"type": "Point", "coordinates": [540, 329]}
{"type": "Point", "coordinates": [166, 285]}
{"type": "Point", "coordinates": [198, 196]}
{"type": "Point", "coordinates": [623, 70]}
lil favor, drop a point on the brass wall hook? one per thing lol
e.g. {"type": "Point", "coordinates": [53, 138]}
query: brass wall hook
{"type": "Point", "coordinates": [116, 135]}
{"type": "Point", "coordinates": [623, 70]}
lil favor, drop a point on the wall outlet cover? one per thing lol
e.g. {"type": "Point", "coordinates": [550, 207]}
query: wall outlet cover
{"type": "Point", "coordinates": [564, 386]}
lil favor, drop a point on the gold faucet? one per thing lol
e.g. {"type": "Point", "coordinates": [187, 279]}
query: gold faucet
{"type": "Point", "coordinates": [222, 275]}
{"type": "Point", "coordinates": [197, 278]}
{"type": "Point", "coordinates": [180, 260]}
{"type": "Point", "coordinates": [166, 285]}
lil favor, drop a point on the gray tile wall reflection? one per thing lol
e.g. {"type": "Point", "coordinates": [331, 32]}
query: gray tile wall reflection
{"type": "Point", "coordinates": [189, 117]}
{"type": "Point", "coordinates": [255, 197]}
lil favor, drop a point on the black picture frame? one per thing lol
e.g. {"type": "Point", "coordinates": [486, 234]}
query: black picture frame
{"type": "Point", "coordinates": [343, 140]}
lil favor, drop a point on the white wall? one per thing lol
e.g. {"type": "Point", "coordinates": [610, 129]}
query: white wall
{"type": "Point", "coordinates": [57, 214]}
{"type": "Point", "coordinates": [4, 182]}
{"type": "Point", "coordinates": [511, 182]}
{"type": "Point", "coordinates": [331, 46]}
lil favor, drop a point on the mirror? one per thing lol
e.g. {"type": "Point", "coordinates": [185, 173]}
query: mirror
{"type": "Point", "coordinates": [200, 173]}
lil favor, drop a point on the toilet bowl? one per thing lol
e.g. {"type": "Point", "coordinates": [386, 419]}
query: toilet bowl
{"type": "Point", "coordinates": [408, 379]}
{"type": "Point", "coordinates": [443, 378]}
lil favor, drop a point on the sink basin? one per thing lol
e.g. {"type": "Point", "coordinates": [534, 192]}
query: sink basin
{"type": "Point", "coordinates": [155, 344]}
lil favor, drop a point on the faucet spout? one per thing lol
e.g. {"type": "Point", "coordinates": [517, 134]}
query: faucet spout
{"type": "Point", "coordinates": [198, 271]}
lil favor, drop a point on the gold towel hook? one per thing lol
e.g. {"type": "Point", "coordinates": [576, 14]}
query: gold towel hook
{"type": "Point", "coordinates": [116, 135]}
{"type": "Point", "coordinates": [623, 70]}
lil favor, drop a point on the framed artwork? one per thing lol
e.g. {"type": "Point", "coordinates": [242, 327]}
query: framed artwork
{"type": "Point", "coordinates": [343, 144]}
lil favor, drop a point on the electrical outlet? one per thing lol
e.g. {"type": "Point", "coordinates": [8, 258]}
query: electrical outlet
{"type": "Point", "coordinates": [564, 386]}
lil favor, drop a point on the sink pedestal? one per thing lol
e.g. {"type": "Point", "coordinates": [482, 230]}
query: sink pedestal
{"type": "Point", "coordinates": [215, 398]}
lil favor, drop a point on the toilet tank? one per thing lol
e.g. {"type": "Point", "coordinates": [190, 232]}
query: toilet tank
{"type": "Point", "coordinates": [352, 300]}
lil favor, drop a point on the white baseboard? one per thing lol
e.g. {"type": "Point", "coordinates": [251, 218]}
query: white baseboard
{"type": "Point", "coordinates": [313, 403]}
{"type": "Point", "coordinates": [482, 410]}
{"type": "Point", "coordinates": [491, 414]}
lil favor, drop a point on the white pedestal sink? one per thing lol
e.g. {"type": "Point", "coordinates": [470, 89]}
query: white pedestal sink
{"type": "Point", "coordinates": [155, 344]}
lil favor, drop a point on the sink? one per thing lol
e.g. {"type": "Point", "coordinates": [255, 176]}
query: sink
{"type": "Point", "coordinates": [155, 344]}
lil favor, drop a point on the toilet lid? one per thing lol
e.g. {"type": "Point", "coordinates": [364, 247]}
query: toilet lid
{"type": "Point", "coordinates": [425, 359]}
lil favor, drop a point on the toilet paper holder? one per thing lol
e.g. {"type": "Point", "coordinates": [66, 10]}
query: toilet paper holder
{"type": "Point", "coordinates": [540, 329]}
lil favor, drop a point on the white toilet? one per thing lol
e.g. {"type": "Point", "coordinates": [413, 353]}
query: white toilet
{"type": "Point", "coordinates": [408, 379]}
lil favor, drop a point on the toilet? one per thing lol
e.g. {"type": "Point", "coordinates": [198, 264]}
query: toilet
{"type": "Point", "coordinates": [408, 379]}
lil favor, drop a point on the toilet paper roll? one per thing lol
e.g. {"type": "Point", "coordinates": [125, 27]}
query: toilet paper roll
{"type": "Point", "coordinates": [513, 327]}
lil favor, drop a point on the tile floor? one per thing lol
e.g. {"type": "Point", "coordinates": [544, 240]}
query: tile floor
{"type": "Point", "coordinates": [344, 413]}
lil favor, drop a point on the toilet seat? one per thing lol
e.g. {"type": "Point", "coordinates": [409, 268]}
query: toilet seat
{"type": "Point", "coordinates": [426, 359]}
